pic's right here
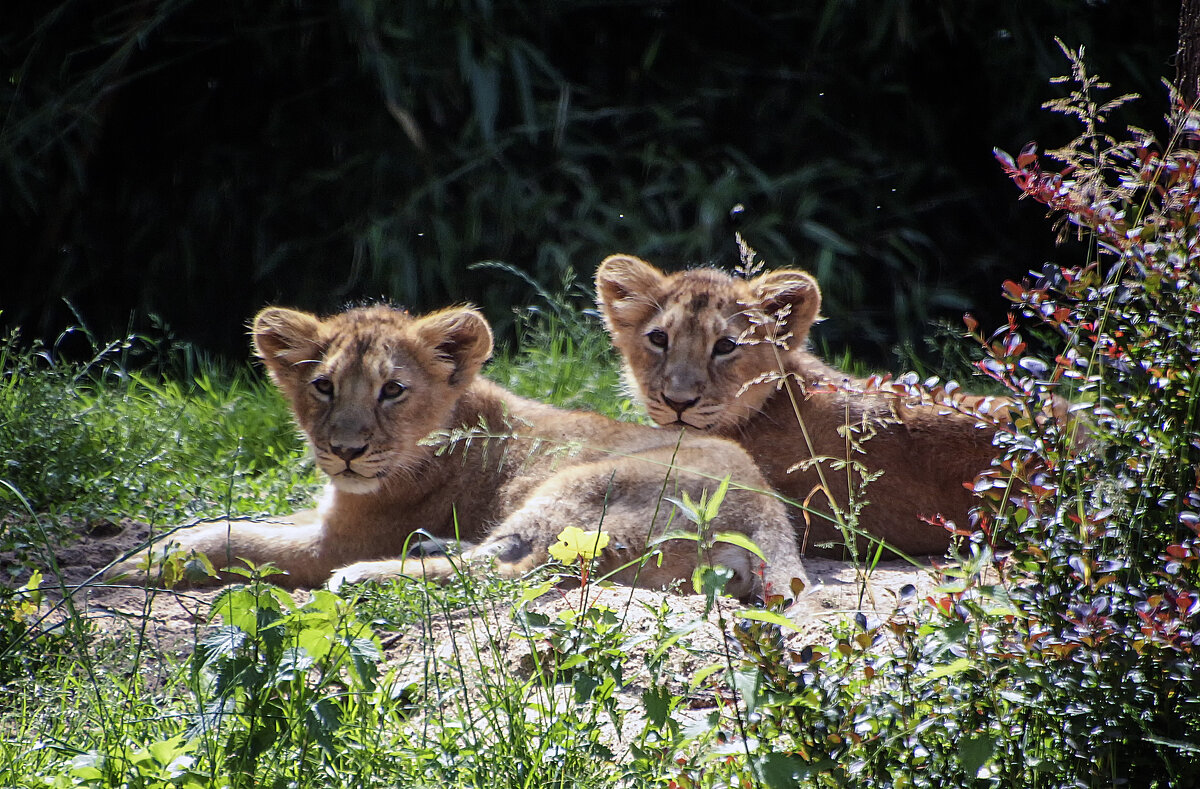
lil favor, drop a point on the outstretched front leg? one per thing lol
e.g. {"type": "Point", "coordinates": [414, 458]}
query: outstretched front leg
{"type": "Point", "coordinates": [507, 555]}
{"type": "Point", "coordinates": [296, 545]}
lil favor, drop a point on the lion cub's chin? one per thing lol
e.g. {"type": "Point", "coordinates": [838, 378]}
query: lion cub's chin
{"type": "Point", "coordinates": [346, 483]}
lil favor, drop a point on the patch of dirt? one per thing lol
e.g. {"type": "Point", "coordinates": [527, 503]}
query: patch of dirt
{"type": "Point", "coordinates": [173, 619]}
{"type": "Point", "coordinates": [439, 653]}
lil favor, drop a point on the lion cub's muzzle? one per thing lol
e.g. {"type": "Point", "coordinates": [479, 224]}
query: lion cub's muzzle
{"type": "Point", "coordinates": [348, 453]}
{"type": "Point", "coordinates": [350, 465]}
{"type": "Point", "coordinates": [679, 406]}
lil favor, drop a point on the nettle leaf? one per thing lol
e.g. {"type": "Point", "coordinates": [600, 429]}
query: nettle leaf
{"type": "Point", "coordinates": [294, 662]}
{"type": "Point", "coordinates": [585, 685]}
{"type": "Point", "coordinates": [166, 751]}
{"type": "Point", "coordinates": [323, 720]}
{"type": "Point", "coordinates": [657, 700]}
{"type": "Point", "coordinates": [211, 716]}
{"type": "Point", "coordinates": [365, 656]}
{"type": "Point", "coordinates": [221, 642]}
{"type": "Point", "coordinates": [317, 641]}
{"type": "Point", "coordinates": [236, 606]}
{"type": "Point", "coordinates": [747, 683]}
{"type": "Point", "coordinates": [711, 581]}
{"type": "Point", "coordinates": [231, 675]}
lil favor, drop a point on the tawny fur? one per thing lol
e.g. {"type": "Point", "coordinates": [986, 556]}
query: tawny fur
{"type": "Point", "coordinates": [674, 332]}
{"type": "Point", "coordinates": [370, 385]}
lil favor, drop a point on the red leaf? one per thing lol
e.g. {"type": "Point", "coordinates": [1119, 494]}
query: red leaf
{"type": "Point", "coordinates": [1028, 155]}
{"type": "Point", "coordinates": [1013, 289]}
{"type": "Point", "coordinates": [1177, 552]}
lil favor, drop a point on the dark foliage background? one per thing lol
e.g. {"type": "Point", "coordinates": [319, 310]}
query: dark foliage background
{"type": "Point", "coordinates": [196, 160]}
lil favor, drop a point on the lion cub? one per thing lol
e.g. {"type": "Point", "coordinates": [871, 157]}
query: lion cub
{"type": "Point", "coordinates": [727, 357]}
{"type": "Point", "coordinates": [413, 439]}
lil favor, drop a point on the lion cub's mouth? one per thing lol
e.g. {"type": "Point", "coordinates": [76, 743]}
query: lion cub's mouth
{"type": "Point", "coordinates": [351, 481]}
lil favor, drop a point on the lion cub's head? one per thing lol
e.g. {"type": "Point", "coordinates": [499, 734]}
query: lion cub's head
{"type": "Point", "coordinates": [698, 343]}
{"type": "Point", "coordinates": [368, 384]}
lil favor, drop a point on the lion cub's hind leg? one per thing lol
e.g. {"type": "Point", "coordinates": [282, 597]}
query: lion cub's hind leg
{"type": "Point", "coordinates": [750, 509]}
{"type": "Point", "coordinates": [629, 500]}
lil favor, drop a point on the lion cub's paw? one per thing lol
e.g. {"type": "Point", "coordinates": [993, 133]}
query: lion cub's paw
{"type": "Point", "coordinates": [170, 566]}
{"type": "Point", "coordinates": [434, 568]}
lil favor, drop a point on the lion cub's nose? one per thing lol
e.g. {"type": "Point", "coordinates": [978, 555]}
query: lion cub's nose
{"type": "Point", "coordinates": [677, 406]}
{"type": "Point", "coordinates": [348, 453]}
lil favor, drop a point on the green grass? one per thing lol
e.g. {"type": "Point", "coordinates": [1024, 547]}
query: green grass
{"type": "Point", "coordinates": [1071, 663]}
{"type": "Point", "coordinates": [96, 439]}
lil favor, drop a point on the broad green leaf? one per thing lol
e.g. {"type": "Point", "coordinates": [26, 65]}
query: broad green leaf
{"type": "Point", "coordinates": [674, 636]}
{"type": "Point", "coordinates": [771, 617]}
{"type": "Point", "coordinates": [713, 506]}
{"type": "Point", "coordinates": [780, 771]}
{"type": "Point", "coordinates": [741, 541]}
{"type": "Point", "coordinates": [975, 752]}
{"type": "Point", "coordinates": [950, 669]}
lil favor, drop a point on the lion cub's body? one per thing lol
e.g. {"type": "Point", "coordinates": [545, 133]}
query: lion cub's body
{"type": "Point", "coordinates": [727, 356]}
{"type": "Point", "coordinates": [508, 474]}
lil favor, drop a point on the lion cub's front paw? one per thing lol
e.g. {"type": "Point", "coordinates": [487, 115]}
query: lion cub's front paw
{"type": "Point", "coordinates": [129, 571]}
{"type": "Point", "coordinates": [169, 566]}
{"type": "Point", "coordinates": [431, 568]}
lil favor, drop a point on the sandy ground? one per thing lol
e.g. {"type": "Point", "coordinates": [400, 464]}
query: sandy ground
{"type": "Point", "coordinates": [451, 643]}
{"type": "Point", "coordinates": [834, 595]}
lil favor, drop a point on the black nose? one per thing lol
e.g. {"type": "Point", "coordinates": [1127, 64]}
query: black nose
{"type": "Point", "coordinates": [348, 453]}
{"type": "Point", "coordinates": [677, 406]}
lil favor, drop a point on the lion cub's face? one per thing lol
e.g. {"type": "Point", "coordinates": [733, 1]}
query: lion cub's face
{"type": "Point", "coordinates": [700, 345]}
{"type": "Point", "coordinates": [367, 385]}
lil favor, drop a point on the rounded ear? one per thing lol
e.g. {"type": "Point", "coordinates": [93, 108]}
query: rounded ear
{"type": "Point", "coordinates": [625, 287]}
{"type": "Point", "coordinates": [460, 336]}
{"type": "Point", "coordinates": [791, 295]}
{"type": "Point", "coordinates": [284, 338]}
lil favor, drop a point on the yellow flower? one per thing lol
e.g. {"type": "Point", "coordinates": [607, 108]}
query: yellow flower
{"type": "Point", "coordinates": [575, 543]}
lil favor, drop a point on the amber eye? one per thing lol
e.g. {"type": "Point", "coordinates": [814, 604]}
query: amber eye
{"type": "Point", "coordinates": [657, 338]}
{"type": "Point", "coordinates": [391, 390]}
{"type": "Point", "coordinates": [323, 386]}
{"type": "Point", "coordinates": [724, 346]}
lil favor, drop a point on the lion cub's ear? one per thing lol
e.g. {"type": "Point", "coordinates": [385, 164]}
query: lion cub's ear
{"type": "Point", "coordinates": [460, 336]}
{"type": "Point", "coordinates": [793, 291]}
{"type": "Point", "coordinates": [286, 338]}
{"type": "Point", "coordinates": [626, 288]}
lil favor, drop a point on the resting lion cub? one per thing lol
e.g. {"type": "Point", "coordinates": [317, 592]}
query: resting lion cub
{"type": "Point", "coordinates": [698, 348]}
{"type": "Point", "coordinates": [368, 387]}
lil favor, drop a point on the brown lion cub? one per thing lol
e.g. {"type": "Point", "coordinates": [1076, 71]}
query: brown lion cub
{"type": "Point", "coordinates": [728, 357]}
{"type": "Point", "coordinates": [413, 439]}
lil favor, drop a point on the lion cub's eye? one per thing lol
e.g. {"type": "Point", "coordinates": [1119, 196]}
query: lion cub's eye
{"type": "Point", "coordinates": [391, 390]}
{"type": "Point", "coordinates": [323, 386]}
{"type": "Point", "coordinates": [724, 346]}
{"type": "Point", "coordinates": [657, 338]}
